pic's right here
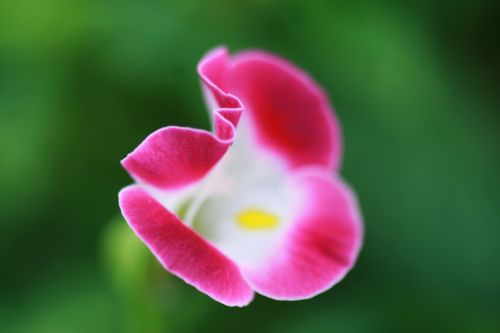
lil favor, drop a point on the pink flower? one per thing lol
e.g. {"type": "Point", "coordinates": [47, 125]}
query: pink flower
{"type": "Point", "coordinates": [255, 206]}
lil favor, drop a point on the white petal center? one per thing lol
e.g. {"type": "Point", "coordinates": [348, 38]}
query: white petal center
{"type": "Point", "coordinates": [243, 205]}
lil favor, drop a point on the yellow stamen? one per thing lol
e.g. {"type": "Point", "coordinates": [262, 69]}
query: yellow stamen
{"type": "Point", "coordinates": [256, 219]}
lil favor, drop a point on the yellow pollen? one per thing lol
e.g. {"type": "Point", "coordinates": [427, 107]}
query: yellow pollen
{"type": "Point", "coordinates": [256, 219]}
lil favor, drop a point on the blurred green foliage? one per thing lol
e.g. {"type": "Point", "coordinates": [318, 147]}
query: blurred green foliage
{"type": "Point", "coordinates": [415, 85]}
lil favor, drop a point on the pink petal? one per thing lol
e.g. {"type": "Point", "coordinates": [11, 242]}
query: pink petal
{"type": "Point", "coordinates": [320, 248]}
{"type": "Point", "coordinates": [181, 251]}
{"type": "Point", "coordinates": [176, 156]}
{"type": "Point", "coordinates": [290, 112]}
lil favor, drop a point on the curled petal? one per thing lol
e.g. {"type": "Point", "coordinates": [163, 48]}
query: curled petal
{"type": "Point", "coordinates": [181, 251]}
{"type": "Point", "coordinates": [319, 249]}
{"type": "Point", "coordinates": [174, 156]}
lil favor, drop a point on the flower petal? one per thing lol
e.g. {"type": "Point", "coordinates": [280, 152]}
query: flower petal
{"type": "Point", "coordinates": [321, 246]}
{"type": "Point", "coordinates": [175, 156]}
{"type": "Point", "coordinates": [290, 113]}
{"type": "Point", "coordinates": [181, 251]}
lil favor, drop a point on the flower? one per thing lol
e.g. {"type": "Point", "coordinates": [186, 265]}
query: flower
{"type": "Point", "coordinates": [255, 206]}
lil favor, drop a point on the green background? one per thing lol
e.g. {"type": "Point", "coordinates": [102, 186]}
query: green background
{"type": "Point", "coordinates": [415, 85]}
